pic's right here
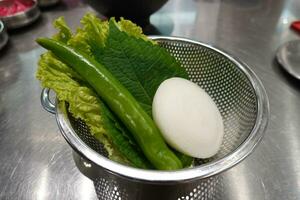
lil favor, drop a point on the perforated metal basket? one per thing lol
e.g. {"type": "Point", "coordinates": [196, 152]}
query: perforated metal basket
{"type": "Point", "coordinates": [242, 102]}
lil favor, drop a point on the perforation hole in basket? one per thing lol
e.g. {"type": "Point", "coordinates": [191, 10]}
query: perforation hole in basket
{"type": "Point", "coordinates": [109, 190]}
{"type": "Point", "coordinates": [208, 189]}
{"type": "Point", "coordinates": [84, 134]}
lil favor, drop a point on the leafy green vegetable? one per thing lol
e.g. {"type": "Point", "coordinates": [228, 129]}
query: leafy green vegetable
{"type": "Point", "coordinates": [121, 102]}
{"type": "Point", "coordinates": [122, 139]}
{"type": "Point", "coordinates": [65, 33]}
{"type": "Point", "coordinates": [132, 29]}
{"type": "Point", "coordinates": [91, 38]}
{"type": "Point", "coordinates": [84, 104]}
{"type": "Point", "coordinates": [137, 62]}
{"type": "Point", "coordinates": [82, 101]}
{"type": "Point", "coordinates": [130, 56]}
{"type": "Point", "coordinates": [92, 35]}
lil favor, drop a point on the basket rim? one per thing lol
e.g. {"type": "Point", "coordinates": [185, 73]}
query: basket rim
{"type": "Point", "coordinates": [198, 172]}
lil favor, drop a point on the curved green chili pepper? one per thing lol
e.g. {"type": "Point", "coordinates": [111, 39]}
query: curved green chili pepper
{"type": "Point", "coordinates": [120, 101]}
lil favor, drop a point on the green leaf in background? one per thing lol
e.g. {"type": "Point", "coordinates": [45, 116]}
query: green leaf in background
{"type": "Point", "coordinates": [91, 37]}
{"type": "Point", "coordinates": [132, 29]}
{"type": "Point", "coordinates": [65, 33]}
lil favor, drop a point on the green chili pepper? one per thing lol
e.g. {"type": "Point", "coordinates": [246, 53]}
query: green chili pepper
{"type": "Point", "coordinates": [120, 101]}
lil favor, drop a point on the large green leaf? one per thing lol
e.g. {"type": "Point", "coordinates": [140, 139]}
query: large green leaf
{"type": "Point", "coordinates": [138, 64]}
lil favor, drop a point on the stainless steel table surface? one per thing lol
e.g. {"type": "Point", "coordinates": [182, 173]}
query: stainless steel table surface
{"type": "Point", "coordinates": [36, 162]}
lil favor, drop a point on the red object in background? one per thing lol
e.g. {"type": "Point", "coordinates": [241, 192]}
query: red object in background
{"type": "Point", "coordinates": [12, 7]}
{"type": "Point", "coordinates": [296, 26]}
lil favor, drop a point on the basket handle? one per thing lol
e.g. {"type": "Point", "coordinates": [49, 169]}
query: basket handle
{"type": "Point", "coordinates": [45, 101]}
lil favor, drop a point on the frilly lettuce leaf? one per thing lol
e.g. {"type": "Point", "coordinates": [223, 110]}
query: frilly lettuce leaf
{"type": "Point", "coordinates": [64, 33]}
{"type": "Point", "coordinates": [91, 36]}
{"type": "Point", "coordinates": [78, 41]}
{"type": "Point", "coordinates": [83, 102]}
{"type": "Point", "coordinates": [132, 29]}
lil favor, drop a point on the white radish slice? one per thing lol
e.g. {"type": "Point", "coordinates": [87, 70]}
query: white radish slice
{"type": "Point", "coordinates": [188, 118]}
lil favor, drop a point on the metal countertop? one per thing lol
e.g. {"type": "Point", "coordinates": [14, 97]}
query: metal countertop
{"type": "Point", "coordinates": [36, 162]}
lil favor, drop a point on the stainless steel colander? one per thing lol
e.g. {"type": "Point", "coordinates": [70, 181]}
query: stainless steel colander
{"type": "Point", "coordinates": [242, 101]}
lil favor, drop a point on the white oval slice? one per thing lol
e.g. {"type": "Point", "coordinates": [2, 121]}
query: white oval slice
{"type": "Point", "coordinates": [188, 118]}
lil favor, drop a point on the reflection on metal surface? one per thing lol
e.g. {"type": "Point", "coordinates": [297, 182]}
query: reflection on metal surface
{"type": "Point", "coordinates": [287, 16]}
{"type": "Point", "coordinates": [285, 20]}
{"type": "Point", "coordinates": [42, 186]}
{"type": "Point", "coordinates": [288, 55]}
{"type": "Point", "coordinates": [86, 189]}
{"type": "Point", "coordinates": [45, 101]}
{"type": "Point", "coordinates": [87, 164]}
{"type": "Point", "coordinates": [241, 188]}
{"type": "Point", "coordinates": [174, 16]}
{"type": "Point", "coordinates": [3, 35]}
{"type": "Point", "coordinates": [166, 24]}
